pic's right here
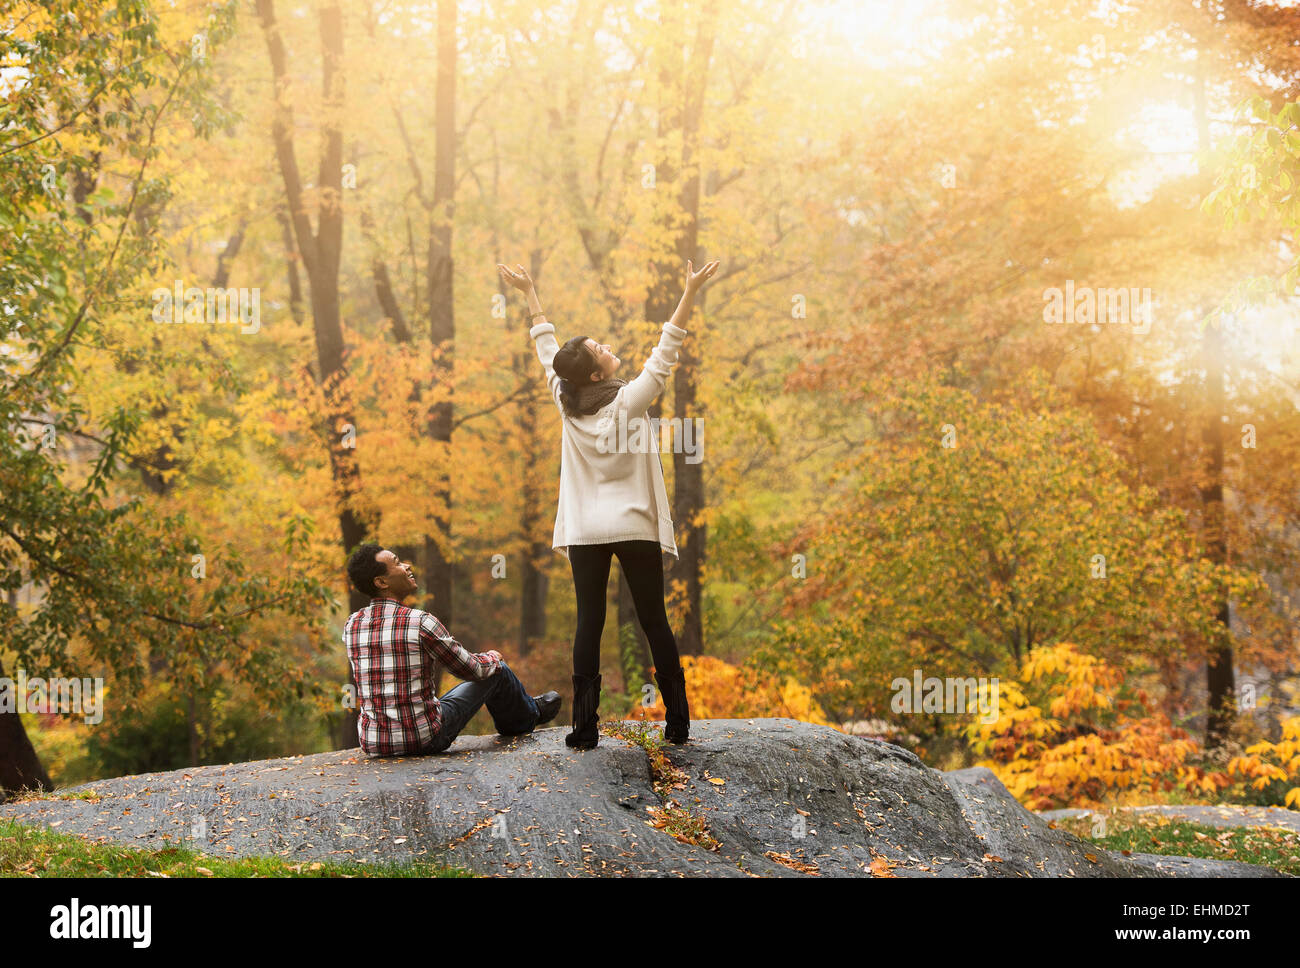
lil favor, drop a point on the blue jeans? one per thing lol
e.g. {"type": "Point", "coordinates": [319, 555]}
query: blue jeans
{"type": "Point", "coordinates": [513, 711]}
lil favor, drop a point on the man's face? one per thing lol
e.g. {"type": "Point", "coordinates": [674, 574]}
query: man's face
{"type": "Point", "coordinates": [398, 579]}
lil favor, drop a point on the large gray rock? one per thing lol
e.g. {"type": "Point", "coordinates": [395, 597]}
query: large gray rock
{"type": "Point", "coordinates": [812, 796]}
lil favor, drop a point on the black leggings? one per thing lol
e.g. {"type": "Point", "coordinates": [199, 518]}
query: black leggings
{"type": "Point", "coordinates": [642, 564]}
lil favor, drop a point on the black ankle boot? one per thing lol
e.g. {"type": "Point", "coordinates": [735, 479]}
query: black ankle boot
{"type": "Point", "coordinates": [677, 715]}
{"type": "Point", "coordinates": [586, 698]}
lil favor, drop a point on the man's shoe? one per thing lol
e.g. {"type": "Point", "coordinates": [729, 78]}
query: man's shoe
{"type": "Point", "coordinates": [548, 705]}
{"type": "Point", "coordinates": [586, 698]}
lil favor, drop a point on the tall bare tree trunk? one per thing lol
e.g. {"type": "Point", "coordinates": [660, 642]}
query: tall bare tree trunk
{"type": "Point", "coordinates": [683, 84]}
{"type": "Point", "coordinates": [291, 266]}
{"type": "Point", "coordinates": [661, 300]}
{"type": "Point", "coordinates": [321, 252]}
{"type": "Point", "coordinates": [688, 475]}
{"type": "Point", "coordinates": [532, 599]}
{"type": "Point", "coordinates": [442, 319]}
{"type": "Point", "coordinates": [1220, 679]}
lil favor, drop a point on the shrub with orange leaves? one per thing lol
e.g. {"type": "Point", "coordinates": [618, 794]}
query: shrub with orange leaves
{"type": "Point", "coordinates": [1096, 740]}
{"type": "Point", "coordinates": [718, 690]}
{"type": "Point", "coordinates": [1266, 764]}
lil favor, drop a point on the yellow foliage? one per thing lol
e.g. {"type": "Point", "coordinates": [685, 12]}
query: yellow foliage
{"type": "Point", "coordinates": [1091, 747]}
{"type": "Point", "coordinates": [1267, 763]}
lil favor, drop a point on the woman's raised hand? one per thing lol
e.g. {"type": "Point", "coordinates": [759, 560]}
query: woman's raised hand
{"type": "Point", "coordinates": [696, 279]}
{"type": "Point", "coordinates": [517, 277]}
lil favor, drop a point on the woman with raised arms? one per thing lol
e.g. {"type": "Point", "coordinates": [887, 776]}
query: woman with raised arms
{"type": "Point", "coordinates": [612, 498]}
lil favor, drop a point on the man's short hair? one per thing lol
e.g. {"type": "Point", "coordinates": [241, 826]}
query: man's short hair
{"type": "Point", "coordinates": [363, 569]}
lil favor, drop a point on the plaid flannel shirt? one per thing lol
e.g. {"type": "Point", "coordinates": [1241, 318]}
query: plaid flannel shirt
{"type": "Point", "coordinates": [395, 652]}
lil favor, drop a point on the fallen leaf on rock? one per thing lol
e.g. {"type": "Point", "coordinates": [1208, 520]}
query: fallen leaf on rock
{"type": "Point", "coordinates": [882, 867]}
{"type": "Point", "coordinates": [785, 860]}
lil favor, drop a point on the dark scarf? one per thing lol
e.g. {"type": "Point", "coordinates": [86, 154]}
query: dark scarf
{"type": "Point", "coordinates": [593, 396]}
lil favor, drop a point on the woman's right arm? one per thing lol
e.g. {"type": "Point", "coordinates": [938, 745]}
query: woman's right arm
{"type": "Point", "coordinates": [543, 332]}
{"type": "Point", "coordinates": [650, 382]}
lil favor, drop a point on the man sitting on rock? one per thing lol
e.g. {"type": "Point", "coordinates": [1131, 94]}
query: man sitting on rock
{"type": "Point", "coordinates": [395, 653]}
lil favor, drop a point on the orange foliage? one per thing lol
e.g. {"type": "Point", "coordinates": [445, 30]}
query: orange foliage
{"type": "Point", "coordinates": [717, 690]}
{"type": "Point", "coordinates": [1089, 746]}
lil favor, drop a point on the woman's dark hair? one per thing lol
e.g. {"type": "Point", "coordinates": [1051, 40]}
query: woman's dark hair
{"type": "Point", "coordinates": [363, 569]}
{"type": "Point", "coordinates": [574, 363]}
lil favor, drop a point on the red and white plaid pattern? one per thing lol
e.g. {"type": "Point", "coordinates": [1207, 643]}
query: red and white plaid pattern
{"type": "Point", "coordinates": [395, 652]}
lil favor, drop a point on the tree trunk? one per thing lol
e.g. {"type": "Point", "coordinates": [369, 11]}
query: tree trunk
{"type": "Point", "coordinates": [688, 476]}
{"type": "Point", "coordinates": [20, 767]}
{"type": "Point", "coordinates": [192, 728]}
{"type": "Point", "coordinates": [682, 109]}
{"type": "Point", "coordinates": [1220, 679]}
{"type": "Point", "coordinates": [442, 320]}
{"type": "Point", "coordinates": [291, 265]}
{"type": "Point", "coordinates": [532, 600]}
{"type": "Point", "coordinates": [396, 318]}
{"type": "Point", "coordinates": [321, 253]}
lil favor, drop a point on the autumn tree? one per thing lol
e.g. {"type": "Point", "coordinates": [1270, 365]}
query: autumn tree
{"type": "Point", "coordinates": [968, 531]}
{"type": "Point", "coordinates": [111, 582]}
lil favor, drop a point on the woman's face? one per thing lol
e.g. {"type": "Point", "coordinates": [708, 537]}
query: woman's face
{"type": "Point", "coordinates": [606, 360]}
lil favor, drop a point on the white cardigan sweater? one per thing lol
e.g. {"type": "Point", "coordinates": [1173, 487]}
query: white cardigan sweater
{"type": "Point", "coordinates": [618, 494]}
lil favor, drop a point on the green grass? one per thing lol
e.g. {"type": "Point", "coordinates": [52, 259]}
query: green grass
{"type": "Point", "coordinates": [1129, 833]}
{"type": "Point", "coordinates": [88, 795]}
{"type": "Point", "coordinates": [36, 852]}
{"type": "Point", "coordinates": [637, 732]}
